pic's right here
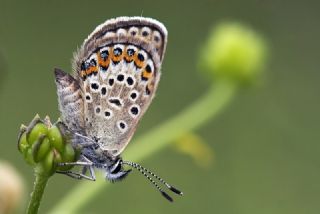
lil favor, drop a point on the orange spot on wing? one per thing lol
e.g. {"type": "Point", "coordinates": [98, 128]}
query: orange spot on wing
{"type": "Point", "coordinates": [137, 62]}
{"type": "Point", "coordinates": [92, 69]}
{"type": "Point", "coordinates": [83, 74]}
{"type": "Point", "coordinates": [116, 58]}
{"type": "Point", "coordinates": [146, 74]}
{"type": "Point", "coordinates": [129, 58]}
{"type": "Point", "coordinates": [103, 63]}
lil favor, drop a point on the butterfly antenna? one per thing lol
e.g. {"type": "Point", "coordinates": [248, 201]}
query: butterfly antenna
{"type": "Point", "coordinates": [144, 171]}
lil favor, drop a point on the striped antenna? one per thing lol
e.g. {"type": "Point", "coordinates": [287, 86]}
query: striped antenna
{"type": "Point", "coordinates": [146, 172]}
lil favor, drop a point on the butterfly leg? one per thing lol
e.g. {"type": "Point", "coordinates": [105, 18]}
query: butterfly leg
{"type": "Point", "coordinates": [85, 164]}
{"type": "Point", "coordinates": [91, 169]}
{"type": "Point", "coordinates": [79, 176]}
{"type": "Point", "coordinates": [78, 163]}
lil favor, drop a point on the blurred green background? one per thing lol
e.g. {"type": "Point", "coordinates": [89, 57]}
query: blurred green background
{"type": "Point", "coordinates": [266, 143]}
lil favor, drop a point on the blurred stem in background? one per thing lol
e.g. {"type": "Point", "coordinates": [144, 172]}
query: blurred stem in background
{"type": "Point", "coordinates": [233, 57]}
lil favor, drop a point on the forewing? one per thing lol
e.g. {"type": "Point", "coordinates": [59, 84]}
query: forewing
{"type": "Point", "coordinates": [70, 100]}
{"type": "Point", "coordinates": [118, 68]}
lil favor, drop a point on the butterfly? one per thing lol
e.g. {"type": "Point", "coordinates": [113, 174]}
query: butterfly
{"type": "Point", "coordinates": [116, 74]}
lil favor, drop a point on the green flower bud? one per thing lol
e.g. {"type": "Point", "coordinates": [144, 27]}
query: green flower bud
{"type": "Point", "coordinates": [47, 163]}
{"type": "Point", "coordinates": [44, 145]}
{"type": "Point", "coordinates": [35, 130]}
{"type": "Point", "coordinates": [22, 139]}
{"type": "Point", "coordinates": [41, 148]}
{"type": "Point", "coordinates": [234, 52]}
{"type": "Point", "coordinates": [56, 138]}
{"type": "Point", "coordinates": [28, 156]}
{"type": "Point", "coordinates": [69, 155]}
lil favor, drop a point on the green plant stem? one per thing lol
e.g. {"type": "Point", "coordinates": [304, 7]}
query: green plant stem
{"type": "Point", "coordinates": [203, 110]}
{"type": "Point", "coordinates": [37, 193]}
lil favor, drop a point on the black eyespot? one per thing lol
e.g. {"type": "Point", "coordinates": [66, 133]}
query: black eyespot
{"type": "Point", "coordinates": [104, 54]}
{"type": "Point", "coordinates": [148, 69]}
{"type": "Point", "coordinates": [134, 110]}
{"type": "Point", "coordinates": [120, 77]}
{"type": "Point", "coordinates": [115, 62]}
{"type": "Point", "coordinates": [103, 90]}
{"type": "Point", "coordinates": [98, 110]}
{"type": "Point", "coordinates": [143, 78]}
{"type": "Point", "coordinates": [94, 86]}
{"type": "Point", "coordinates": [130, 81]}
{"type": "Point", "coordinates": [88, 97]}
{"type": "Point", "coordinates": [122, 125]}
{"type": "Point", "coordinates": [130, 52]}
{"type": "Point", "coordinates": [83, 66]}
{"type": "Point", "coordinates": [111, 81]}
{"type": "Point", "coordinates": [115, 101]}
{"type": "Point", "coordinates": [133, 33]}
{"type": "Point", "coordinates": [140, 57]}
{"type": "Point", "coordinates": [133, 95]}
{"type": "Point", "coordinates": [107, 113]}
{"type": "Point", "coordinates": [156, 38]}
{"type": "Point", "coordinates": [145, 33]}
{"type": "Point", "coordinates": [148, 90]}
{"type": "Point", "coordinates": [93, 63]}
{"type": "Point", "coordinates": [117, 51]}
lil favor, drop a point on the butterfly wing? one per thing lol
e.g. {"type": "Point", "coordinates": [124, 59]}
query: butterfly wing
{"type": "Point", "coordinates": [118, 70]}
{"type": "Point", "coordinates": [70, 97]}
